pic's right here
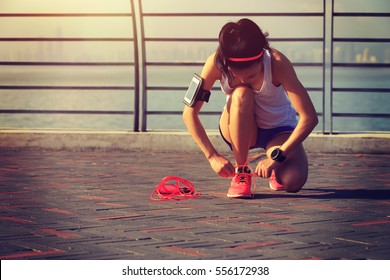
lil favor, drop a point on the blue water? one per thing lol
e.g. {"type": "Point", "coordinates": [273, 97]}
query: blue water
{"type": "Point", "coordinates": [121, 100]}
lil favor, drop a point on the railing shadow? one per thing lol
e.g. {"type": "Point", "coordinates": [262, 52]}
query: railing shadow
{"type": "Point", "coordinates": [331, 193]}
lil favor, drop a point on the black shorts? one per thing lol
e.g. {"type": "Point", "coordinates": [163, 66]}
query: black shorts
{"type": "Point", "coordinates": [264, 136]}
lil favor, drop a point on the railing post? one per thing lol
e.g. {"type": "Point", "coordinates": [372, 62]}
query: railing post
{"type": "Point", "coordinates": [144, 106]}
{"type": "Point", "coordinates": [331, 69]}
{"type": "Point", "coordinates": [136, 69]}
{"type": "Point", "coordinates": [324, 37]}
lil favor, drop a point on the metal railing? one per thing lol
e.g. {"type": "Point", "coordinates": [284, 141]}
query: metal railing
{"type": "Point", "coordinates": [135, 64]}
{"type": "Point", "coordinates": [145, 88]}
{"type": "Point", "coordinates": [326, 89]}
{"type": "Point", "coordinates": [354, 65]}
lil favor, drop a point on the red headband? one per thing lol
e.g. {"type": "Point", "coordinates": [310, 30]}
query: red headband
{"type": "Point", "coordinates": [245, 59]}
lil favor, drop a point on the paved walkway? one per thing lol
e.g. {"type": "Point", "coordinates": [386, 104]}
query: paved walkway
{"type": "Point", "coordinates": [96, 205]}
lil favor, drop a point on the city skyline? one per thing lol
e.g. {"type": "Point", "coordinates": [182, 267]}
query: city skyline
{"type": "Point", "coordinates": [58, 51]}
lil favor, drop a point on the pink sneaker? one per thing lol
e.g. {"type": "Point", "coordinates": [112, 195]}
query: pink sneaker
{"type": "Point", "coordinates": [273, 184]}
{"type": "Point", "coordinates": [240, 186]}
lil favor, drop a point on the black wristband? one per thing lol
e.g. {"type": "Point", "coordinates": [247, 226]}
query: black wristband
{"type": "Point", "coordinates": [277, 155]}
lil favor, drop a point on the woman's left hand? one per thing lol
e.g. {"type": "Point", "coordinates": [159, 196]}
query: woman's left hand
{"type": "Point", "coordinates": [265, 167]}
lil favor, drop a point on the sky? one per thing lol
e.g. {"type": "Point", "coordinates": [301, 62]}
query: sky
{"type": "Point", "coordinates": [11, 6]}
{"type": "Point", "coordinates": [120, 27]}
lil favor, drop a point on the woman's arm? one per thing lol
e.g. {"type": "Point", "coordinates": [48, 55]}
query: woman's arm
{"type": "Point", "coordinates": [284, 73]}
{"type": "Point", "coordinates": [194, 126]}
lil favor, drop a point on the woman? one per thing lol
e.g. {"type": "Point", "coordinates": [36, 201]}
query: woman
{"type": "Point", "coordinates": [264, 96]}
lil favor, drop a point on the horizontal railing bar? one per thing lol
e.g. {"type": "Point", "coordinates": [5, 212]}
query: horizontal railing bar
{"type": "Point", "coordinates": [66, 14]}
{"type": "Point", "coordinates": [378, 90]}
{"type": "Point", "coordinates": [174, 63]}
{"type": "Point", "coordinates": [361, 115]}
{"type": "Point", "coordinates": [362, 40]}
{"type": "Point", "coordinates": [33, 63]}
{"type": "Point", "coordinates": [360, 14]}
{"type": "Point", "coordinates": [362, 65]}
{"type": "Point", "coordinates": [181, 112]}
{"type": "Point", "coordinates": [34, 39]}
{"type": "Point", "coordinates": [212, 113]}
{"type": "Point", "coordinates": [302, 39]}
{"type": "Point", "coordinates": [66, 87]}
{"type": "Point", "coordinates": [299, 64]}
{"type": "Point", "coordinates": [157, 39]}
{"type": "Point", "coordinates": [303, 14]}
{"type": "Point", "coordinates": [153, 39]}
{"type": "Point", "coordinates": [173, 88]}
{"type": "Point", "coordinates": [67, 112]}
{"type": "Point", "coordinates": [346, 132]}
{"type": "Point", "coordinates": [314, 88]}
{"type": "Point", "coordinates": [48, 39]}
{"type": "Point", "coordinates": [214, 88]}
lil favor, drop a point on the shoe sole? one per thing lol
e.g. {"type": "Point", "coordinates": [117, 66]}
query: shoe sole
{"type": "Point", "coordinates": [276, 190]}
{"type": "Point", "coordinates": [239, 195]}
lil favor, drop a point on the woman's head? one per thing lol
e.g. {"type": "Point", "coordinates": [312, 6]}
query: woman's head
{"type": "Point", "coordinates": [241, 44]}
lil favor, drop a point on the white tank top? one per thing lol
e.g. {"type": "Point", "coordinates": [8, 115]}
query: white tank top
{"type": "Point", "coordinates": [273, 107]}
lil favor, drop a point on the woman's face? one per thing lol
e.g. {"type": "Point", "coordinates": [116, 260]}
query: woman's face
{"type": "Point", "coordinates": [247, 76]}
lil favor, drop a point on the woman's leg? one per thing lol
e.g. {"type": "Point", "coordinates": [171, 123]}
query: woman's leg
{"type": "Point", "coordinates": [293, 172]}
{"type": "Point", "coordinates": [238, 125]}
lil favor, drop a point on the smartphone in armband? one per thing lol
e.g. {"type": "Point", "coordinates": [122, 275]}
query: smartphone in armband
{"type": "Point", "coordinates": [196, 92]}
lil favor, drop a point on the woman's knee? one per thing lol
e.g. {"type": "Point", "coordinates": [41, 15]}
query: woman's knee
{"type": "Point", "coordinates": [294, 172]}
{"type": "Point", "coordinates": [293, 178]}
{"type": "Point", "coordinates": [294, 185]}
{"type": "Point", "coordinates": [242, 96]}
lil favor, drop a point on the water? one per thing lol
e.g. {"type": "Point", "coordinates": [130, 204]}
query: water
{"type": "Point", "coordinates": [122, 100]}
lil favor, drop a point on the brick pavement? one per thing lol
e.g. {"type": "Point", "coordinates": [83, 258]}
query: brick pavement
{"type": "Point", "coordinates": [96, 205]}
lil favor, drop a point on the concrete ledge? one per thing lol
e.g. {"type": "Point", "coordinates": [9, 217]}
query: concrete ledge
{"type": "Point", "coordinates": [349, 143]}
{"type": "Point", "coordinates": [174, 141]}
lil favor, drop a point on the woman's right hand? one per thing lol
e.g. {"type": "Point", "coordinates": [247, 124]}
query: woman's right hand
{"type": "Point", "coordinates": [222, 166]}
